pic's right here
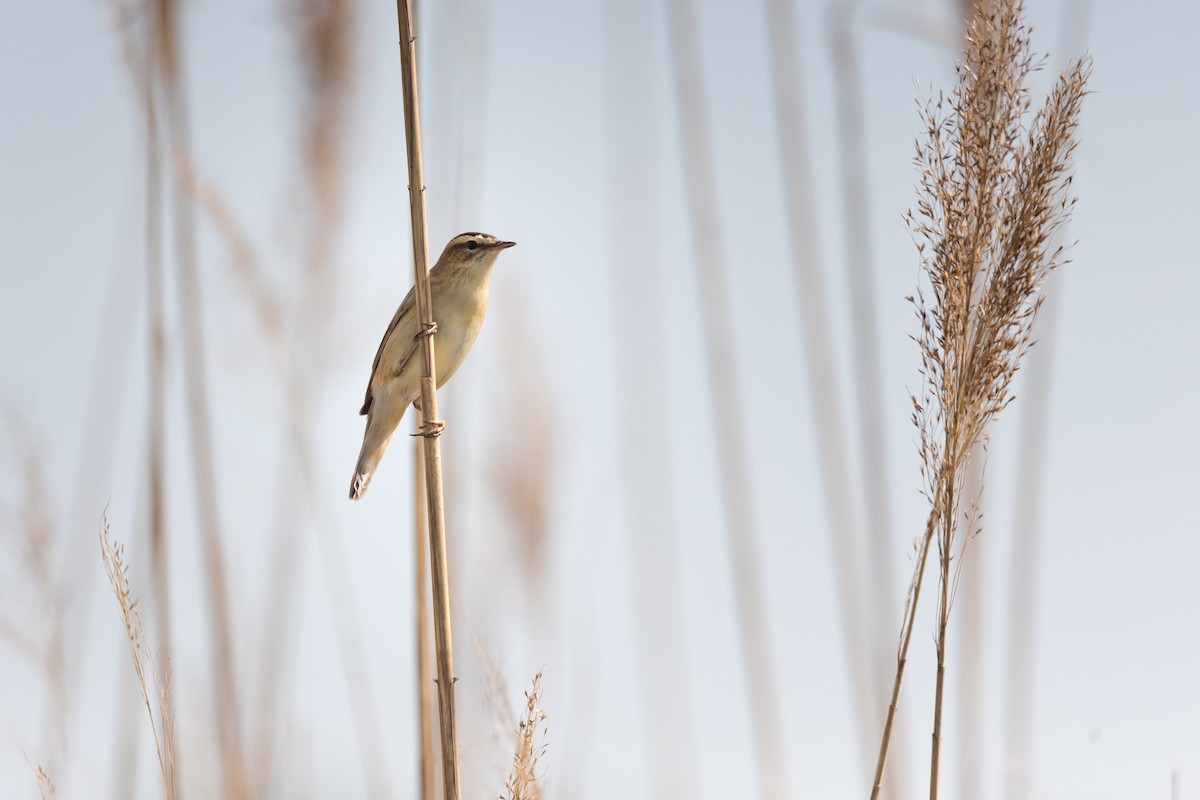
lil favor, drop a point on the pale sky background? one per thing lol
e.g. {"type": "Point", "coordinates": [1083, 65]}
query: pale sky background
{"type": "Point", "coordinates": [1116, 694]}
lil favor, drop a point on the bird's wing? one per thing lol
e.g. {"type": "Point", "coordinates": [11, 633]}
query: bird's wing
{"type": "Point", "coordinates": [403, 318]}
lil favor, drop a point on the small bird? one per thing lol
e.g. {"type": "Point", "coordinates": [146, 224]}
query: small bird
{"type": "Point", "coordinates": [458, 284]}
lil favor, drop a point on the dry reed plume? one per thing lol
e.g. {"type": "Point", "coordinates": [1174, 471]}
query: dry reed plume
{"type": "Point", "coordinates": [150, 682]}
{"type": "Point", "coordinates": [994, 188]}
{"type": "Point", "coordinates": [523, 782]}
{"type": "Point", "coordinates": [45, 786]}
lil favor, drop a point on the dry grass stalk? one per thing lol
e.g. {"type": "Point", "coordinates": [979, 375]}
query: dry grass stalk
{"type": "Point", "coordinates": [156, 362]}
{"type": "Point", "coordinates": [151, 684]}
{"type": "Point", "coordinates": [523, 782]}
{"type": "Point", "coordinates": [994, 188]}
{"type": "Point", "coordinates": [427, 754]}
{"type": "Point", "coordinates": [439, 567]}
{"type": "Point", "coordinates": [44, 784]}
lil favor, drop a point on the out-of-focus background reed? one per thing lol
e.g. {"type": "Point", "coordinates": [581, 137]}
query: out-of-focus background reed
{"type": "Point", "coordinates": [602, 440]}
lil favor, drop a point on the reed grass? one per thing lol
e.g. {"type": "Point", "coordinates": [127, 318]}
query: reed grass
{"type": "Point", "coordinates": [523, 781]}
{"type": "Point", "coordinates": [439, 568]}
{"type": "Point", "coordinates": [993, 190]}
{"type": "Point", "coordinates": [152, 684]}
{"type": "Point", "coordinates": [45, 786]}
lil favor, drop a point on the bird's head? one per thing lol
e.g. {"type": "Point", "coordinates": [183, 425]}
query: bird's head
{"type": "Point", "coordinates": [473, 249]}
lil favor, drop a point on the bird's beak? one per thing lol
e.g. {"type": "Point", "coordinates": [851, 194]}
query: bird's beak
{"type": "Point", "coordinates": [503, 245]}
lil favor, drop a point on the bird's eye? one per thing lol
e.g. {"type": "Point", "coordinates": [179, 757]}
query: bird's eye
{"type": "Point", "coordinates": [471, 245]}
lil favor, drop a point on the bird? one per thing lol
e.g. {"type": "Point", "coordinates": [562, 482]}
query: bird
{"type": "Point", "coordinates": [458, 285]}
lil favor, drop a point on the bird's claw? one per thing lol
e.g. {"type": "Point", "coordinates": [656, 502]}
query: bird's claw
{"type": "Point", "coordinates": [426, 330]}
{"type": "Point", "coordinates": [430, 429]}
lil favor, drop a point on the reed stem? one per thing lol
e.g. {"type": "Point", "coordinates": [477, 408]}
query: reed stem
{"type": "Point", "coordinates": [906, 627]}
{"type": "Point", "coordinates": [429, 415]}
{"type": "Point", "coordinates": [733, 460]}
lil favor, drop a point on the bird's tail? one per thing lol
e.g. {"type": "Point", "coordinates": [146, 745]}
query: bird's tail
{"type": "Point", "coordinates": [368, 459]}
{"type": "Point", "coordinates": [363, 470]}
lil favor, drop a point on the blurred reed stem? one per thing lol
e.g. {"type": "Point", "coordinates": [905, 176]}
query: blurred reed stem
{"type": "Point", "coordinates": [853, 160]}
{"type": "Point", "coordinates": [718, 329]}
{"type": "Point", "coordinates": [324, 36]}
{"type": "Point", "coordinates": [429, 412]}
{"type": "Point", "coordinates": [155, 302]}
{"type": "Point", "coordinates": [191, 308]}
{"type": "Point", "coordinates": [646, 473]}
{"type": "Point", "coordinates": [825, 384]}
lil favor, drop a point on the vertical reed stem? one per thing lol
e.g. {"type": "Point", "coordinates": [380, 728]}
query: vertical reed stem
{"type": "Point", "coordinates": [943, 619]}
{"type": "Point", "coordinates": [432, 446]}
{"type": "Point", "coordinates": [157, 382]}
{"type": "Point", "coordinates": [837, 483]}
{"type": "Point", "coordinates": [427, 753]}
{"type": "Point", "coordinates": [225, 701]}
{"type": "Point", "coordinates": [906, 627]}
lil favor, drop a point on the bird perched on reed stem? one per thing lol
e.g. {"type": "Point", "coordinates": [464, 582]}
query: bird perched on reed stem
{"type": "Point", "coordinates": [458, 284]}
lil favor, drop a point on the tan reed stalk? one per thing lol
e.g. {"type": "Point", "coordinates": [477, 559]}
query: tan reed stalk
{"type": "Point", "coordinates": [151, 684]}
{"type": "Point", "coordinates": [993, 190]}
{"type": "Point", "coordinates": [718, 329]}
{"type": "Point", "coordinates": [523, 782]}
{"type": "Point", "coordinates": [225, 700]}
{"type": "Point", "coordinates": [970, 644]}
{"type": "Point", "coordinates": [45, 786]}
{"type": "Point", "coordinates": [639, 336]}
{"type": "Point", "coordinates": [156, 356]}
{"type": "Point", "coordinates": [909, 617]}
{"type": "Point", "coordinates": [426, 754]}
{"type": "Point", "coordinates": [429, 413]}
